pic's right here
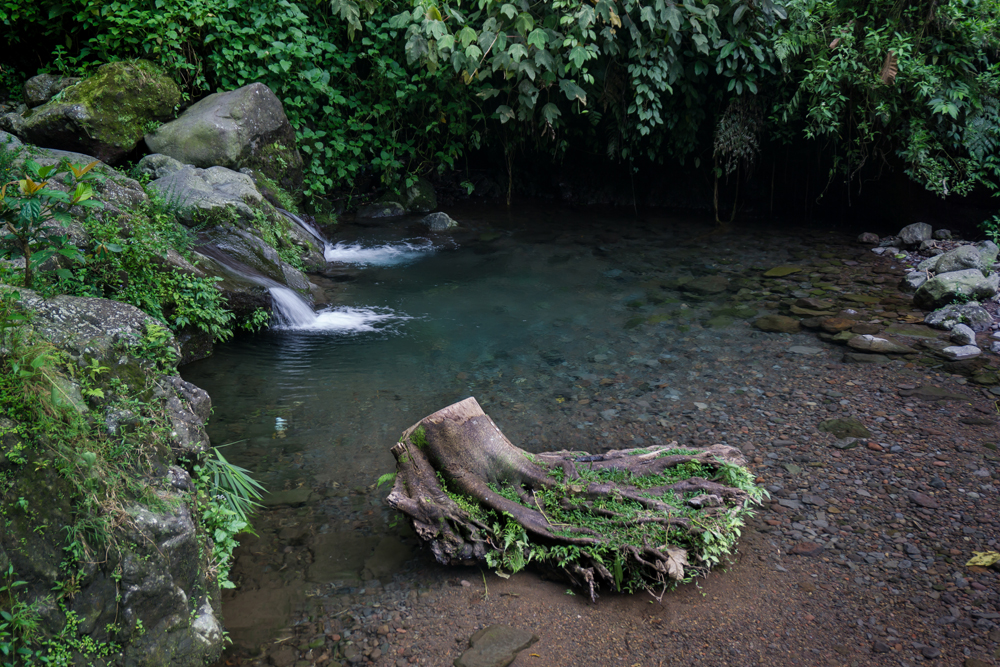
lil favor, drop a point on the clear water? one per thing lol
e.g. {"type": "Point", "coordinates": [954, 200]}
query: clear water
{"type": "Point", "coordinates": [533, 313]}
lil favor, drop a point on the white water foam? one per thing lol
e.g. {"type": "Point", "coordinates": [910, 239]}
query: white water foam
{"type": "Point", "coordinates": [292, 313]}
{"type": "Point", "coordinates": [389, 254]}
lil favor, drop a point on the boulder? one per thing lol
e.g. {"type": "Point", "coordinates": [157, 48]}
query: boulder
{"type": "Point", "coordinates": [388, 209]}
{"type": "Point", "coordinates": [957, 259]}
{"type": "Point", "coordinates": [106, 114]}
{"type": "Point", "coordinates": [157, 165]}
{"type": "Point", "coordinates": [208, 192]}
{"type": "Point", "coordinates": [420, 197]}
{"type": "Point", "coordinates": [245, 254]}
{"type": "Point", "coordinates": [972, 314]}
{"type": "Point", "coordinates": [9, 141]}
{"type": "Point", "coordinates": [13, 123]}
{"type": "Point", "coordinates": [945, 288]}
{"type": "Point", "coordinates": [912, 281]}
{"type": "Point", "coordinates": [961, 352]}
{"type": "Point", "coordinates": [439, 222]}
{"type": "Point", "coordinates": [240, 128]}
{"type": "Point", "coordinates": [988, 251]}
{"type": "Point", "coordinates": [912, 235]}
{"type": "Point", "coordinates": [942, 234]}
{"type": "Point", "coordinates": [40, 89]}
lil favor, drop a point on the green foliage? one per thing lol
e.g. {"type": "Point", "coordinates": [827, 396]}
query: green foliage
{"type": "Point", "coordinates": [991, 227]}
{"type": "Point", "coordinates": [34, 217]}
{"type": "Point", "coordinates": [19, 622]}
{"type": "Point", "coordinates": [226, 497]}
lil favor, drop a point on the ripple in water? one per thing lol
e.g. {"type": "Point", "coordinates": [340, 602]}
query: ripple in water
{"type": "Point", "coordinates": [388, 254]}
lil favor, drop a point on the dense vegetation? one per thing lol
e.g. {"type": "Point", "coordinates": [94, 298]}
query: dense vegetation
{"type": "Point", "coordinates": [382, 91]}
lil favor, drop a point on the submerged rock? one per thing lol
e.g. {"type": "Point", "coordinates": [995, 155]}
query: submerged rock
{"type": "Point", "coordinates": [870, 343]}
{"type": "Point", "coordinates": [495, 646]}
{"type": "Point", "coordinates": [106, 114]}
{"type": "Point", "coordinates": [389, 209]}
{"type": "Point", "coordinates": [439, 222]}
{"type": "Point", "coordinates": [777, 324]}
{"type": "Point", "coordinates": [240, 128]}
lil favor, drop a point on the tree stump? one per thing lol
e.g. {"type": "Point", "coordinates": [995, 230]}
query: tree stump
{"type": "Point", "coordinates": [628, 519]}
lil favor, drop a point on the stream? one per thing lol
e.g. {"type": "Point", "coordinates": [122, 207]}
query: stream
{"type": "Point", "coordinates": [573, 330]}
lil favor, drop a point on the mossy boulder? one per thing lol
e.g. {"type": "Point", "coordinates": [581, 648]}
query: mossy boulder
{"type": "Point", "coordinates": [105, 115]}
{"type": "Point", "coordinates": [420, 197]}
{"type": "Point", "coordinates": [242, 128]}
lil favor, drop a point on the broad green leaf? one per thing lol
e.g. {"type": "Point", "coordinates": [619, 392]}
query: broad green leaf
{"type": "Point", "coordinates": [517, 52]}
{"type": "Point", "coordinates": [466, 36]}
{"type": "Point", "coordinates": [524, 23]}
{"type": "Point", "coordinates": [738, 14]}
{"type": "Point", "coordinates": [550, 112]}
{"type": "Point", "coordinates": [538, 38]}
{"type": "Point", "coordinates": [509, 10]}
{"type": "Point", "coordinates": [578, 55]}
{"type": "Point", "coordinates": [572, 91]}
{"type": "Point", "coordinates": [505, 113]}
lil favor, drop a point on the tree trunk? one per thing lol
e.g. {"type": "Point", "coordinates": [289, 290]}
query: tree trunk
{"type": "Point", "coordinates": [627, 519]}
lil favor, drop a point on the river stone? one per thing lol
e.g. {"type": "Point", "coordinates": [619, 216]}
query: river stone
{"type": "Point", "coordinates": [862, 358]}
{"type": "Point", "coordinates": [972, 314]}
{"type": "Point", "coordinates": [246, 127]}
{"type": "Point", "coordinates": [495, 646]}
{"type": "Point", "coordinates": [945, 288]}
{"type": "Point", "coordinates": [912, 281]}
{"type": "Point", "coordinates": [389, 209]}
{"type": "Point", "coordinates": [292, 498]}
{"type": "Point", "coordinates": [9, 142]}
{"type": "Point", "coordinates": [988, 250]}
{"type": "Point", "coordinates": [961, 352]}
{"type": "Point", "coordinates": [439, 222]}
{"type": "Point", "coordinates": [868, 238]}
{"type": "Point", "coordinates": [106, 114]}
{"type": "Point", "coordinates": [40, 89]}
{"type": "Point", "coordinates": [835, 324]}
{"type": "Point", "coordinates": [782, 271]}
{"type": "Point", "coordinates": [962, 334]}
{"type": "Point", "coordinates": [706, 285]}
{"type": "Point", "coordinates": [870, 343]}
{"type": "Point", "coordinates": [956, 259]}
{"type": "Point", "coordinates": [890, 242]}
{"type": "Point", "coordinates": [340, 555]}
{"type": "Point", "coordinates": [865, 328]}
{"type": "Point", "coordinates": [844, 428]}
{"type": "Point", "coordinates": [157, 165]}
{"type": "Point", "coordinates": [207, 191]}
{"type": "Point", "coordinates": [913, 234]}
{"type": "Point", "coordinates": [932, 393]}
{"type": "Point", "coordinates": [777, 323]}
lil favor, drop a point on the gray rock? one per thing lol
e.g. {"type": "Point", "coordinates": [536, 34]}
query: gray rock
{"type": "Point", "coordinates": [962, 334]}
{"type": "Point", "coordinates": [210, 191]}
{"type": "Point", "coordinates": [912, 235]}
{"type": "Point", "coordinates": [942, 234]}
{"type": "Point", "coordinates": [868, 237]}
{"type": "Point", "coordinates": [106, 114]}
{"type": "Point", "coordinates": [157, 165]}
{"type": "Point", "coordinates": [912, 281]}
{"type": "Point", "coordinates": [890, 242]}
{"type": "Point", "coordinates": [957, 259]}
{"type": "Point", "coordinates": [13, 123]}
{"type": "Point", "coordinates": [801, 349]}
{"type": "Point", "coordinates": [988, 250]}
{"type": "Point", "coordinates": [706, 285]}
{"type": "Point", "coordinates": [9, 141]}
{"type": "Point", "coordinates": [40, 89]}
{"type": "Point", "coordinates": [971, 314]}
{"type": "Point", "coordinates": [870, 343]}
{"type": "Point", "coordinates": [439, 222]}
{"type": "Point", "coordinates": [246, 127]}
{"type": "Point", "coordinates": [945, 288]}
{"type": "Point", "coordinates": [495, 646]}
{"type": "Point", "coordinates": [188, 408]}
{"type": "Point", "coordinates": [389, 209]}
{"type": "Point", "coordinates": [958, 353]}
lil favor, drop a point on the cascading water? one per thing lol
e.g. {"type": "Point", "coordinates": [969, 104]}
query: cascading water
{"type": "Point", "coordinates": [388, 254]}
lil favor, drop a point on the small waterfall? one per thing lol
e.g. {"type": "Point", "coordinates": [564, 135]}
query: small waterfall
{"type": "Point", "coordinates": [388, 254]}
{"type": "Point", "coordinates": [308, 228]}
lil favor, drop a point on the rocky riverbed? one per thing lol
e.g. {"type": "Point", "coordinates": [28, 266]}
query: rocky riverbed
{"type": "Point", "coordinates": [881, 466]}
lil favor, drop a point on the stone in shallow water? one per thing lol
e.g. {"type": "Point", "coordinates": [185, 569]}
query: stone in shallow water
{"type": "Point", "coordinates": [802, 349]}
{"type": "Point", "coordinates": [962, 334]}
{"type": "Point", "coordinates": [843, 428]}
{"type": "Point", "coordinates": [870, 343]}
{"type": "Point", "coordinates": [782, 271]}
{"type": "Point", "coordinates": [495, 646]}
{"type": "Point", "coordinates": [777, 323]}
{"type": "Point", "coordinates": [862, 358]}
{"type": "Point", "coordinates": [959, 352]}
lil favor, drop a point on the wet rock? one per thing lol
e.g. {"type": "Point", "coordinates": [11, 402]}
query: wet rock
{"type": "Point", "coordinates": [781, 271]}
{"type": "Point", "coordinates": [390, 209]}
{"type": "Point", "coordinates": [439, 222]}
{"type": "Point", "coordinates": [106, 114]}
{"type": "Point", "coordinates": [844, 428]}
{"type": "Point", "coordinates": [947, 287]}
{"type": "Point", "coordinates": [962, 334]}
{"type": "Point", "coordinates": [246, 127]}
{"type": "Point", "coordinates": [971, 314]}
{"type": "Point", "coordinates": [863, 328]}
{"type": "Point", "coordinates": [292, 498]}
{"type": "Point", "coordinates": [801, 349]}
{"type": "Point", "coordinates": [862, 358]}
{"type": "Point", "coordinates": [912, 235]}
{"type": "Point", "coordinates": [706, 285]}
{"type": "Point", "coordinates": [870, 343]}
{"type": "Point", "coordinates": [777, 324]}
{"type": "Point", "coordinates": [495, 646]}
{"type": "Point", "coordinates": [960, 352]}
{"type": "Point", "coordinates": [868, 238]}
{"type": "Point", "coordinates": [340, 555]}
